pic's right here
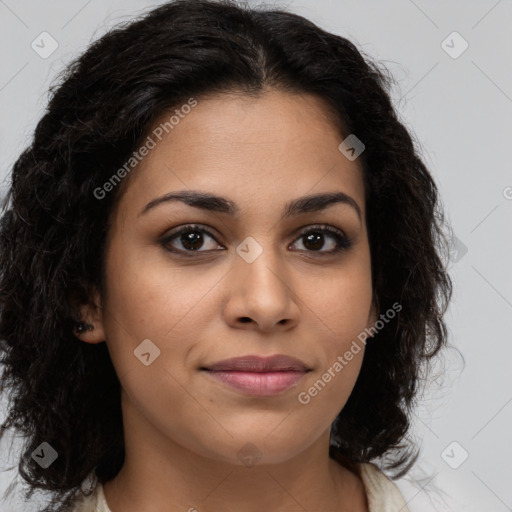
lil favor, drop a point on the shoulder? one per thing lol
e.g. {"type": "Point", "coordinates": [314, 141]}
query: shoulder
{"type": "Point", "coordinates": [382, 494]}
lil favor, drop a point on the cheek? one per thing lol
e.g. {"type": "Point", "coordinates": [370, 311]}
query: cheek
{"type": "Point", "coordinates": [342, 304]}
{"type": "Point", "coordinates": [329, 386]}
{"type": "Point", "coordinates": [151, 301]}
{"type": "Point", "coordinates": [146, 307]}
{"type": "Point", "coordinates": [342, 313]}
{"type": "Point", "coordinates": [156, 312]}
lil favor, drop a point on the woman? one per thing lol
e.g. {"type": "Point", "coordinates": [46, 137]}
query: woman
{"type": "Point", "coordinates": [220, 272]}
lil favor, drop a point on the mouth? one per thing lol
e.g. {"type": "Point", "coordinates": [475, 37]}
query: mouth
{"type": "Point", "coordinates": [258, 376]}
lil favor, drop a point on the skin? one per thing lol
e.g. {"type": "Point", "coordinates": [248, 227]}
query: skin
{"type": "Point", "coordinates": [183, 431]}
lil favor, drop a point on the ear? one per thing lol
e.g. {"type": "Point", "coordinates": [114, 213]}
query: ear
{"type": "Point", "coordinates": [92, 315]}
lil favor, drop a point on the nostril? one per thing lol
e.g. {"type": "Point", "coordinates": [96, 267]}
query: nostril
{"type": "Point", "coordinates": [245, 319]}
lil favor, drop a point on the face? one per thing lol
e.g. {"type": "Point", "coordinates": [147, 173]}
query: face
{"type": "Point", "coordinates": [255, 272]}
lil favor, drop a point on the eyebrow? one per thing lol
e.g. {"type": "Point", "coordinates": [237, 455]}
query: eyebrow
{"type": "Point", "coordinates": [213, 203]}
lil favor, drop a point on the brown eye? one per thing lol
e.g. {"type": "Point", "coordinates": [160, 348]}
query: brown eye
{"type": "Point", "coordinates": [192, 239]}
{"type": "Point", "coordinates": [314, 239]}
{"type": "Point", "coordinates": [189, 238]}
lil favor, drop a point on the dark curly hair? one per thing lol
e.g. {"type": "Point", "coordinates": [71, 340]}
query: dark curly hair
{"type": "Point", "coordinates": [53, 228]}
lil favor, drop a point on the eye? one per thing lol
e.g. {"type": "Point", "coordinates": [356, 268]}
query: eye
{"type": "Point", "coordinates": [313, 239]}
{"type": "Point", "coordinates": [191, 238]}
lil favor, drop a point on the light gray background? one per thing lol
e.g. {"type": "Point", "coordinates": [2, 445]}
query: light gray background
{"type": "Point", "coordinates": [460, 110]}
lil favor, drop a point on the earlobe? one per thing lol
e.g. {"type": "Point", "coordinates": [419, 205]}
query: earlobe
{"type": "Point", "coordinates": [90, 328]}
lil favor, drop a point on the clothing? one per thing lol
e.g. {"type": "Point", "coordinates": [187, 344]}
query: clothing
{"type": "Point", "coordinates": [383, 495]}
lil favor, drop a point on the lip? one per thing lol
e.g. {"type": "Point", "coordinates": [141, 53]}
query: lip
{"type": "Point", "coordinates": [276, 363]}
{"type": "Point", "coordinates": [259, 376]}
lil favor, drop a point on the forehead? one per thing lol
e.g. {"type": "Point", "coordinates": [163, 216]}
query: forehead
{"type": "Point", "coordinates": [272, 147]}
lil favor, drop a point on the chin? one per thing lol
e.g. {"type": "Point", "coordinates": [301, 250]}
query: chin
{"type": "Point", "coordinates": [257, 449]}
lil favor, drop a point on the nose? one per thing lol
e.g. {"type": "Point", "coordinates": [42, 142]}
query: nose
{"type": "Point", "coordinates": [261, 295]}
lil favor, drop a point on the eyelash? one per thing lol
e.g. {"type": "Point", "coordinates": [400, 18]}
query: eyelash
{"type": "Point", "coordinates": [343, 242]}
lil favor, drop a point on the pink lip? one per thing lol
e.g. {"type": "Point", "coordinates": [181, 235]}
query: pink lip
{"type": "Point", "coordinates": [259, 376]}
